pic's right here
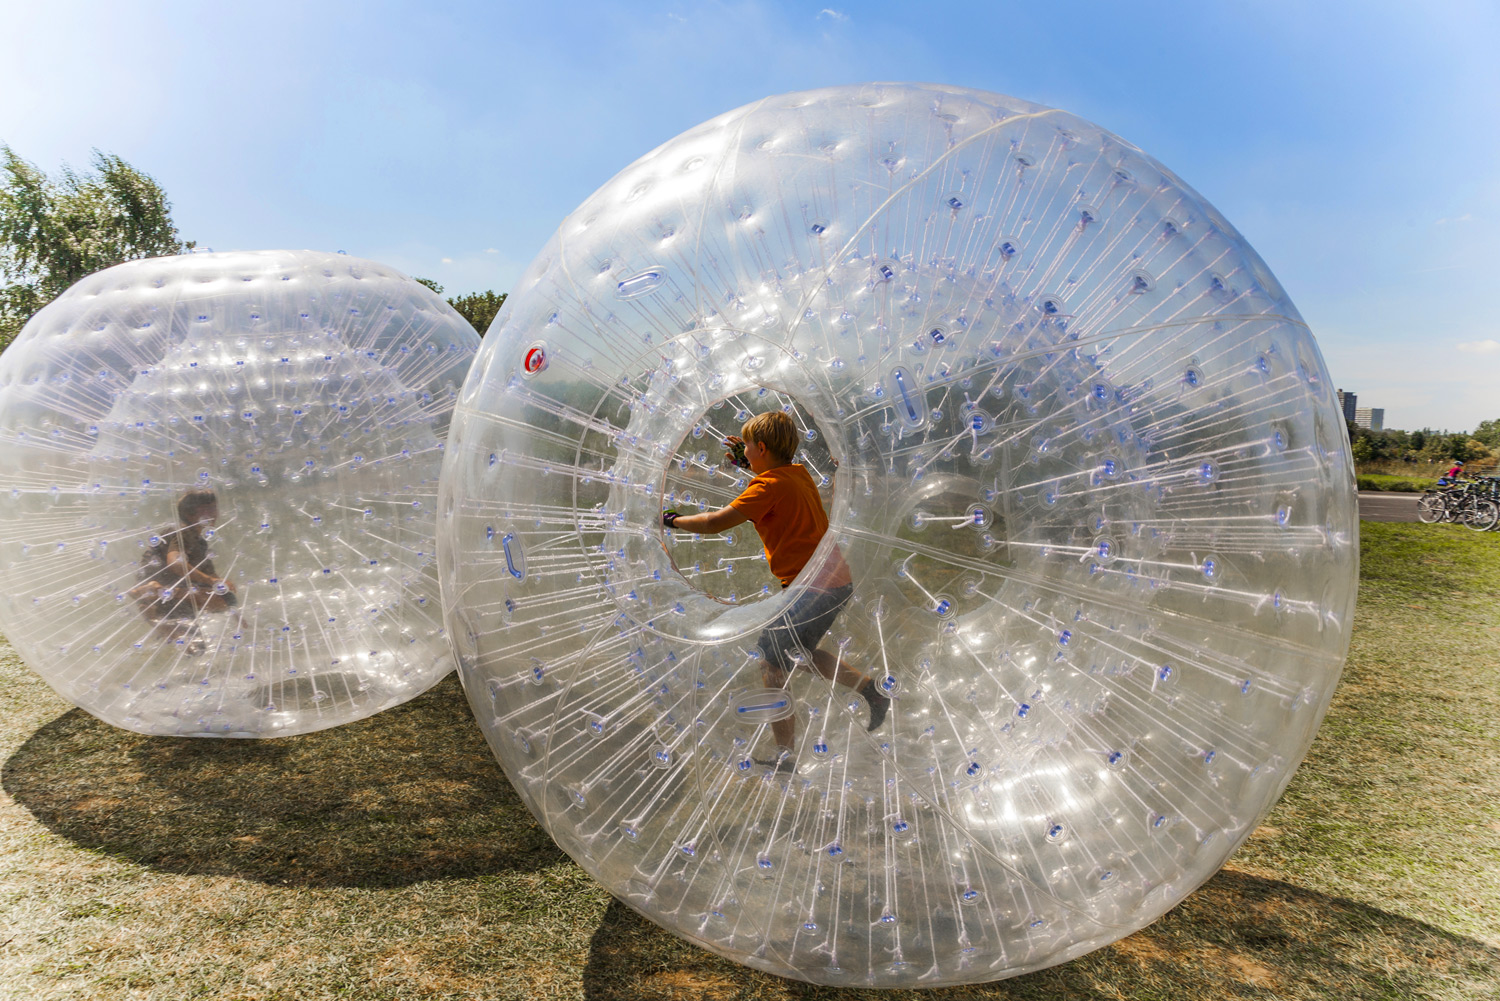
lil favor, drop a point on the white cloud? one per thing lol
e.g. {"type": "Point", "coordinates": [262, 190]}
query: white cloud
{"type": "Point", "coordinates": [447, 260]}
{"type": "Point", "coordinates": [1488, 346]}
{"type": "Point", "coordinates": [833, 15]}
{"type": "Point", "coordinates": [1466, 217]}
{"type": "Point", "coordinates": [491, 250]}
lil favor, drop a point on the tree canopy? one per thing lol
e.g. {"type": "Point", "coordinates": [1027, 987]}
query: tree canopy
{"type": "Point", "coordinates": [1425, 445]}
{"type": "Point", "coordinates": [479, 308]}
{"type": "Point", "coordinates": [1488, 433]}
{"type": "Point", "coordinates": [56, 230]}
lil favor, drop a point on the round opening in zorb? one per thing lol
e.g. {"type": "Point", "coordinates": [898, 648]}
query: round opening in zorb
{"type": "Point", "coordinates": [731, 565]}
{"type": "Point", "coordinates": [1092, 488]}
{"type": "Point", "coordinates": [218, 476]}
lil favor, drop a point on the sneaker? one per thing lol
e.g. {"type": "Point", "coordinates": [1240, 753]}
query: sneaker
{"type": "Point", "coordinates": [783, 765]}
{"type": "Point", "coordinates": [880, 704]}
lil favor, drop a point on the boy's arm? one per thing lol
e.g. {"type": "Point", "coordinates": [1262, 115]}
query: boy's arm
{"type": "Point", "coordinates": [178, 561]}
{"type": "Point", "coordinates": [752, 503]}
{"type": "Point", "coordinates": [708, 521]}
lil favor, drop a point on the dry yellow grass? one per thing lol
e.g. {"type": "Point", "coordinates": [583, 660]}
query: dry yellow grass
{"type": "Point", "coordinates": [390, 858]}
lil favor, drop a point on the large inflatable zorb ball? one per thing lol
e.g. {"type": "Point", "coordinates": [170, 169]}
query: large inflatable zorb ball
{"type": "Point", "coordinates": [217, 486]}
{"type": "Point", "coordinates": [1093, 486]}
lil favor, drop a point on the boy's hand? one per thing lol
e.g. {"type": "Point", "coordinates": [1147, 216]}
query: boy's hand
{"type": "Point", "coordinates": [669, 518]}
{"type": "Point", "coordinates": [734, 452]}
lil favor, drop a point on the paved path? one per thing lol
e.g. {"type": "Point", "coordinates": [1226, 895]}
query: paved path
{"type": "Point", "coordinates": [1387, 506]}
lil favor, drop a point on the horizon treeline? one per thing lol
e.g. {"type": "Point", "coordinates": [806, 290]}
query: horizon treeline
{"type": "Point", "coordinates": [1481, 446]}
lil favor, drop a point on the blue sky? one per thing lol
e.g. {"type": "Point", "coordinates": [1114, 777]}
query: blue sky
{"type": "Point", "coordinates": [1356, 145]}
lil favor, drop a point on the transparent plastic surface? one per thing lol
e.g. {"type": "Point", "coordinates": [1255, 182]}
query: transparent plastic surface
{"type": "Point", "coordinates": [307, 395]}
{"type": "Point", "coordinates": [1092, 484]}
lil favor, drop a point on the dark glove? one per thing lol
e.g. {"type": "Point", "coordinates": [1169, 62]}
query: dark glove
{"type": "Point", "coordinates": [669, 517]}
{"type": "Point", "coordinates": [737, 454]}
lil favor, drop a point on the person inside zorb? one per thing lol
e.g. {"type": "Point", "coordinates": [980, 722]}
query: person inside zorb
{"type": "Point", "coordinates": [782, 502]}
{"type": "Point", "coordinates": [177, 576]}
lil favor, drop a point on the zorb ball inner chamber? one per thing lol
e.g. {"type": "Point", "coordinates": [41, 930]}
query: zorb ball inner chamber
{"type": "Point", "coordinates": [217, 486]}
{"type": "Point", "coordinates": [1091, 481]}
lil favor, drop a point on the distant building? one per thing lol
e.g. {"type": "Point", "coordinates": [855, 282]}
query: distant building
{"type": "Point", "coordinates": [1372, 418]}
{"type": "Point", "coordinates": [1347, 402]}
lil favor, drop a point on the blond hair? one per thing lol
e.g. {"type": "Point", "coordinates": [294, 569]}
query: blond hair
{"type": "Point", "coordinates": [775, 431]}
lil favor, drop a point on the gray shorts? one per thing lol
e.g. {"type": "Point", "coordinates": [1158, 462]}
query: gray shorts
{"type": "Point", "coordinates": [803, 625]}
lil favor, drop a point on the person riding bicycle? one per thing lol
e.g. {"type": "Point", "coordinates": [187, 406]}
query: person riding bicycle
{"type": "Point", "coordinates": [1452, 475]}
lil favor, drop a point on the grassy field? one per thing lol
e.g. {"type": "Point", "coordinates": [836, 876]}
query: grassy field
{"type": "Point", "coordinates": [390, 858]}
{"type": "Point", "coordinates": [1399, 484]}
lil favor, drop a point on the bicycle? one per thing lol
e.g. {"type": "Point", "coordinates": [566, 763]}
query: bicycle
{"type": "Point", "coordinates": [1468, 503]}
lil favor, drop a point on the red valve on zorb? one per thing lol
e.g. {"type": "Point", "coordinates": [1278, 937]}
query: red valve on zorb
{"type": "Point", "coordinates": [535, 360]}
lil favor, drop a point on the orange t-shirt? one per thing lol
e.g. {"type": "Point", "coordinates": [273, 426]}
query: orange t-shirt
{"type": "Point", "coordinates": [784, 506]}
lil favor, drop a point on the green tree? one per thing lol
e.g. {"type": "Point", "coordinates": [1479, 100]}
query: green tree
{"type": "Point", "coordinates": [1470, 450]}
{"type": "Point", "coordinates": [54, 231]}
{"type": "Point", "coordinates": [1437, 448]}
{"type": "Point", "coordinates": [1488, 432]}
{"type": "Point", "coordinates": [479, 308]}
{"type": "Point", "coordinates": [1445, 446]}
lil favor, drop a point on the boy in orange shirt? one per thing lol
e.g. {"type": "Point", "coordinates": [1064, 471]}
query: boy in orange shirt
{"type": "Point", "coordinates": [782, 502]}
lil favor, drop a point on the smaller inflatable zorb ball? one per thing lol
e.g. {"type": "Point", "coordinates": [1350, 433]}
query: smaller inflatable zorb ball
{"type": "Point", "coordinates": [216, 484]}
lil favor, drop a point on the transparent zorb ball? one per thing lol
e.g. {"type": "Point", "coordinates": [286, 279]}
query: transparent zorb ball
{"type": "Point", "coordinates": [307, 395]}
{"type": "Point", "coordinates": [1092, 483]}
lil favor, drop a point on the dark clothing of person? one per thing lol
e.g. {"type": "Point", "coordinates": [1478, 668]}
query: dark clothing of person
{"type": "Point", "coordinates": [156, 567]}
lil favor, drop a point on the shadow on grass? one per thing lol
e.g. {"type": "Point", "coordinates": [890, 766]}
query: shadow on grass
{"type": "Point", "coordinates": [1240, 936]}
{"type": "Point", "coordinates": [410, 794]}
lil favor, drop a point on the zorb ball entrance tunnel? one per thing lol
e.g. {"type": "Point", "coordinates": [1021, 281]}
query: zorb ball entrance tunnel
{"type": "Point", "coordinates": [1092, 485]}
{"type": "Point", "coordinates": [275, 418]}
